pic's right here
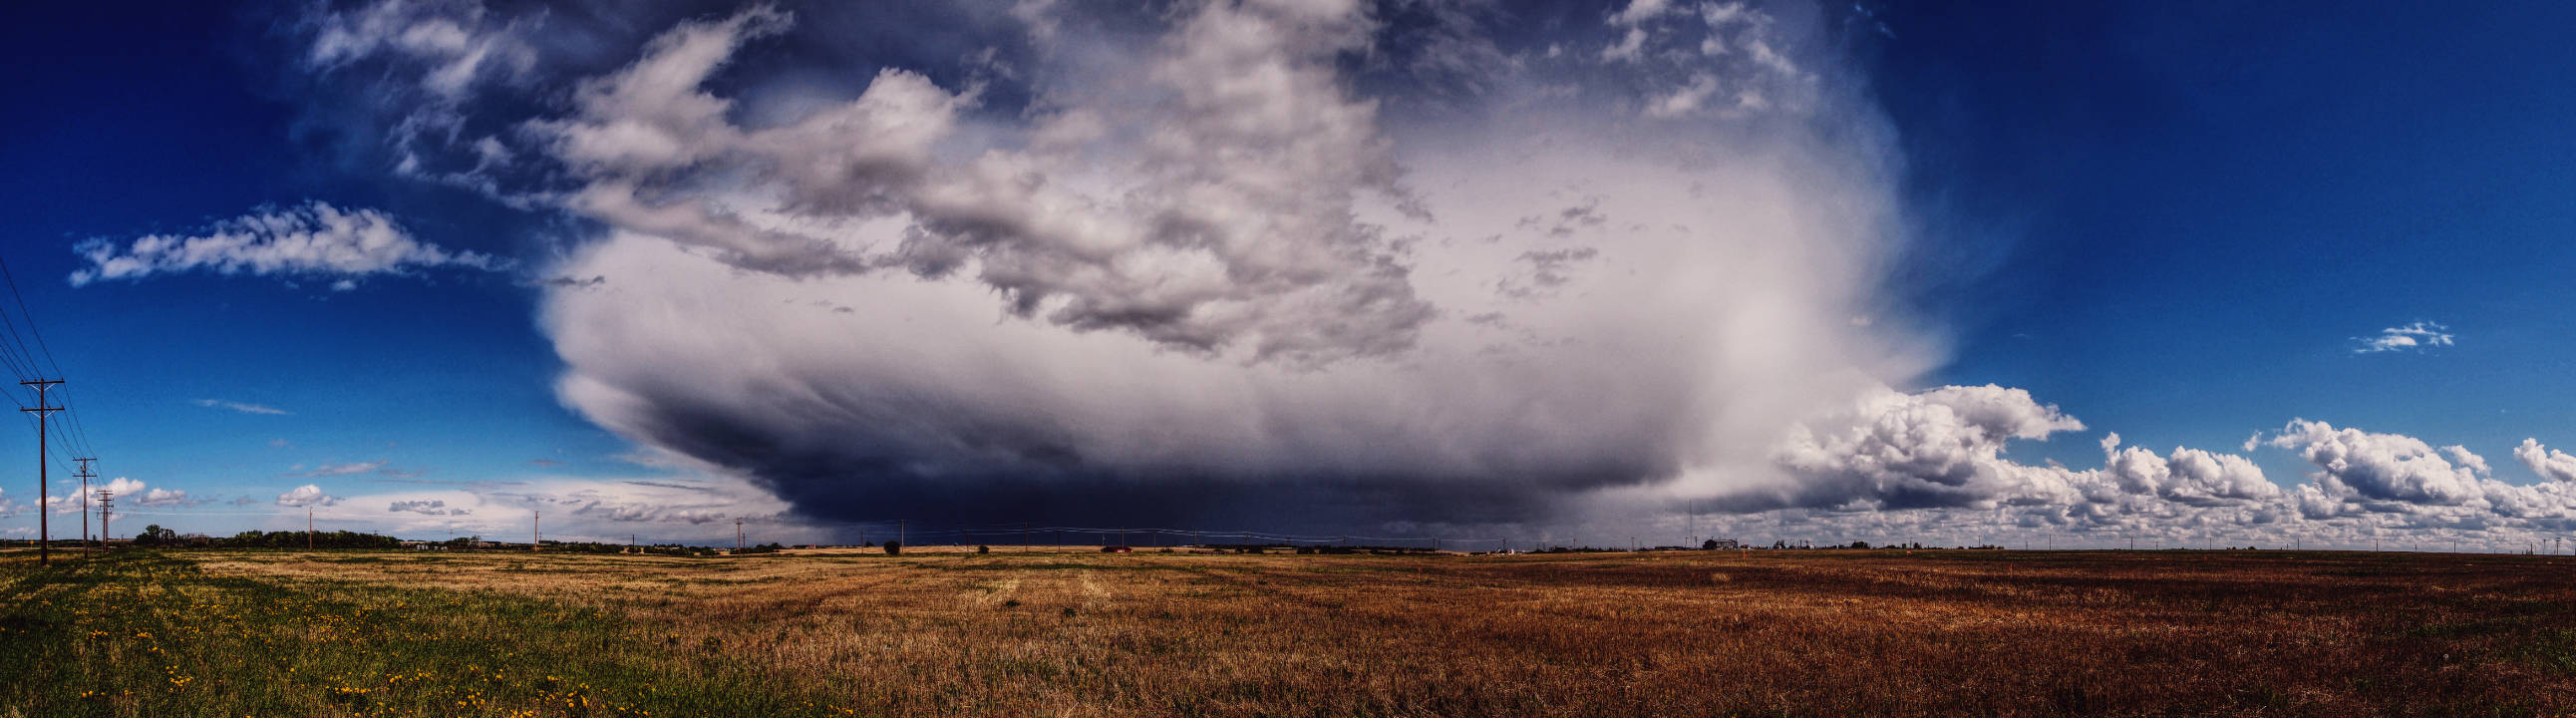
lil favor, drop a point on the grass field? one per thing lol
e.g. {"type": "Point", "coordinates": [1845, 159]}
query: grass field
{"type": "Point", "coordinates": [256, 633]}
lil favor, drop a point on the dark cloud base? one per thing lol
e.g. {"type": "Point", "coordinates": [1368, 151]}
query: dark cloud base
{"type": "Point", "coordinates": [846, 482]}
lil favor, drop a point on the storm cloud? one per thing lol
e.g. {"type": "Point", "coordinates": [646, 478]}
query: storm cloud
{"type": "Point", "coordinates": [1272, 264]}
{"type": "Point", "coordinates": [1201, 277]}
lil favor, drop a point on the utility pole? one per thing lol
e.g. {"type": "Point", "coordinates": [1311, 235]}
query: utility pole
{"type": "Point", "coordinates": [106, 505]}
{"type": "Point", "coordinates": [737, 535]}
{"type": "Point", "coordinates": [44, 528]}
{"type": "Point", "coordinates": [536, 529]}
{"type": "Point", "coordinates": [84, 497]}
{"type": "Point", "coordinates": [308, 527]}
{"type": "Point", "coordinates": [902, 532]}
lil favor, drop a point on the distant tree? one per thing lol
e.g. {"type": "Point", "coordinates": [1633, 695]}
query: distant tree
{"type": "Point", "coordinates": [151, 535]}
{"type": "Point", "coordinates": [1860, 544]}
{"type": "Point", "coordinates": [983, 549]}
{"type": "Point", "coordinates": [1708, 545]}
{"type": "Point", "coordinates": [893, 547]}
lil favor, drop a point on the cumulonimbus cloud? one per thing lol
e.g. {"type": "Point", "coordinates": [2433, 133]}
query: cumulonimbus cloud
{"type": "Point", "coordinates": [1226, 262]}
{"type": "Point", "coordinates": [1172, 291]}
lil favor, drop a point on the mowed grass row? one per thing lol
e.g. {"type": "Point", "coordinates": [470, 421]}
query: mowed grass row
{"type": "Point", "coordinates": [1075, 634]}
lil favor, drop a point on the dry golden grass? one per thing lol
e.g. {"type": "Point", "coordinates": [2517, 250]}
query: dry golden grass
{"type": "Point", "coordinates": [1785, 633]}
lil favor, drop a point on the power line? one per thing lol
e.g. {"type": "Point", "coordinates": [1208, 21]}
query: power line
{"type": "Point", "coordinates": [78, 435]}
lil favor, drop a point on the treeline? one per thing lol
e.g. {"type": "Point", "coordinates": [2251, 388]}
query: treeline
{"type": "Point", "coordinates": [155, 535]}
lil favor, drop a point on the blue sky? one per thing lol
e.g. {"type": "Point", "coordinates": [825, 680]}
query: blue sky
{"type": "Point", "coordinates": [2209, 202]}
{"type": "Point", "coordinates": [1420, 285]}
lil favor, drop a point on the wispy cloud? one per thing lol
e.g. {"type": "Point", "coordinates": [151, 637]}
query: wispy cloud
{"type": "Point", "coordinates": [428, 507]}
{"type": "Point", "coordinates": [313, 240]}
{"type": "Point", "coordinates": [2412, 337]}
{"type": "Point", "coordinates": [241, 407]}
{"type": "Point", "coordinates": [341, 469]}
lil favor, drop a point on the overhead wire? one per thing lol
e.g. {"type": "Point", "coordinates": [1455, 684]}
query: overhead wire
{"type": "Point", "coordinates": [73, 436]}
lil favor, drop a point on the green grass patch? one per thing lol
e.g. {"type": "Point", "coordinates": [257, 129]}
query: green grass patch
{"type": "Point", "coordinates": [147, 634]}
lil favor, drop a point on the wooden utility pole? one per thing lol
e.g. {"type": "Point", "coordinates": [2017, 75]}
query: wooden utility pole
{"type": "Point", "coordinates": [308, 527]}
{"type": "Point", "coordinates": [536, 529]}
{"type": "Point", "coordinates": [737, 535]}
{"type": "Point", "coordinates": [44, 528]}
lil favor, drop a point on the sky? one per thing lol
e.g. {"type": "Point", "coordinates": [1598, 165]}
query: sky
{"type": "Point", "coordinates": [2183, 274]}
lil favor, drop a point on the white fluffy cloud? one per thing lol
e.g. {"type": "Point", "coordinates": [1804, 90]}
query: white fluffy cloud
{"type": "Point", "coordinates": [2360, 473]}
{"type": "Point", "coordinates": [2411, 337]}
{"type": "Point", "coordinates": [313, 240]}
{"type": "Point", "coordinates": [122, 487]}
{"type": "Point", "coordinates": [1229, 226]}
{"type": "Point", "coordinates": [2362, 466]}
{"type": "Point", "coordinates": [2548, 463]}
{"type": "Point", "coordinates": [1934, 449]}
{"type": "Point", "coordinates": [2187, 476]}
{"type": "Point", "coordinates": [162, 497]}
{"type": "Point", "coordinates": [1924, 451]}
{"type": "Point", "coordinates": [306, 495]}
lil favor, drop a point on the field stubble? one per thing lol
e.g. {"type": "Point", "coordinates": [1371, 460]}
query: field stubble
{"type": "Point", "coordinates": [1076, 634]}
